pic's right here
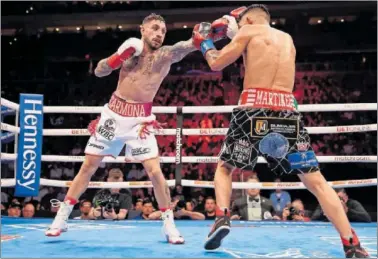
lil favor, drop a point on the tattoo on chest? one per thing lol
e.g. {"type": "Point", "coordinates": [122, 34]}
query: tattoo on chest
{"type": "Point", "coordinates": [132, 79]}
{"type": "Point", "coordinates": [148, 66]}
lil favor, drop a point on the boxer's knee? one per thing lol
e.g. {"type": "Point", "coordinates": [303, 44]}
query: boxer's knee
{"type": "Point", "coordinates": [224, 167]}
{"type": "Point", "coordinates": [152, 167]}
{"type": "Point", "coordinates": [90, 165]}
{"type": "Point", "coordinates": [154, 172]}
{"type": "Point", "coordinates": [315, 183]}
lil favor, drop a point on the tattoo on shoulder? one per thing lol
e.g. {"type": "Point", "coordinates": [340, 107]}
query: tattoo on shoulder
{"type": "Point", "coordinates": [178, 51]}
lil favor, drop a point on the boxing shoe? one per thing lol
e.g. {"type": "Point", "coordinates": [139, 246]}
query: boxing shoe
{"type": "Point", "coordinates": [220, 230]}
{"type": "Point", "coordinates": [59, 224]}
{"type": "Point", "coordinates": [169, 229]}
{"type": "Point", "coordinates": [352, 247]}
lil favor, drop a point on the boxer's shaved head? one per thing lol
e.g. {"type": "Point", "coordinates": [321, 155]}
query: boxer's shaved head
{"type": "Point", "coordinates": [153, 30]}
{"type": "Point", "coordinates": [254, 14]}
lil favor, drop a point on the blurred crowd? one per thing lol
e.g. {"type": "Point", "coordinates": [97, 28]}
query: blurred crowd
{"type": "Point", "coordinates": [116, 204]}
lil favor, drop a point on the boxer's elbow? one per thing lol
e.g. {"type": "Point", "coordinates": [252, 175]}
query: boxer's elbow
{"type": "Point", "coordinates": [216, 60]}
{"type": "Point", "coordinates": [215, 66]}
{"type": "Point", "coordinates": [102, 69]}
{"type": "Point", "coordinates": [100, 73]}
{"type": "Point", "coordinates": [97, 73]}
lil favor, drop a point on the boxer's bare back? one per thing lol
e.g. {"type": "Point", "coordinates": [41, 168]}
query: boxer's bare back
{"type": "Point", "coordinates": [269, 59]}
{"type": "Point", "coordinates": [268, 56]}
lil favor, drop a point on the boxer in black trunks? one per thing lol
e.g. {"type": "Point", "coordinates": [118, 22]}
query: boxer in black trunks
{"type": "Point", "coordinates": [266, 121]}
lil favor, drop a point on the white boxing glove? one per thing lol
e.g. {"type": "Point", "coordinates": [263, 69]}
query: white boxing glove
{"type": "Point", "coordinates": [135, 43]}
{"type": "Point", "coordinates": [232, 28]}
{"type": "Point", "coordinates": [131, 47]}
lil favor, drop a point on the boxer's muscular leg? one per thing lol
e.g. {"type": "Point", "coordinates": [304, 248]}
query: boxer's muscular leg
{"type": "Point", "coordinates": [328, 200]}
{"type": "Point", "coordinates": [223, 184]}
{"type": "Point", "coordinates": [163, 197]}
{"type": "Point", "coordinates": [82, 179]}
{"type": "Point", "coordinates": [161, 189]}
{"type": "Point", "coordinates": [78, 186]}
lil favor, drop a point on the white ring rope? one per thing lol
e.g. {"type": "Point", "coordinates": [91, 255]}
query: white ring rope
{"type": "Point", "coordinates": [203, 184]}
{"type": "Point", "coordinates": [201, 131]}
{"type": "Point", "coordinates": [301, 108]}
{"type": "Point", "coordinates": [204, 109]}
{"type": "Point", "coordinates": [192, 159]}
{"type": "Point", "coordinates": [281, 185]}
{"type": "Point", "coordinates": [9, 104]}
{"type": "Point", "coordinates": [93, 185]}
{"type": "Point", "coordinates": [203, 159]}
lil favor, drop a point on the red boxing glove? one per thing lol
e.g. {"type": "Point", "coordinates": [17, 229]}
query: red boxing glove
{"type": "Point", "coordinates": [202, 37]}
{"type": "Point", "coordinates": [131, 47]}
{"type": "Point", "coordinates": [237, 12]}
{"type": "Point", "coordinates": [197, 38]}
{"type": "Point", "coordinates": [219, 29]}
{"type": "Point", "coordinates": [115, 60]}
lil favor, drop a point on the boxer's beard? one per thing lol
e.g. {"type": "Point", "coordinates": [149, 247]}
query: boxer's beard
{"type": "Point", "coordinates": [151, 46]}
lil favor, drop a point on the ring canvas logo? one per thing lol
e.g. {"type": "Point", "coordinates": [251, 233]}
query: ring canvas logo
{"type": "Point", "coordinates": [29, 145]}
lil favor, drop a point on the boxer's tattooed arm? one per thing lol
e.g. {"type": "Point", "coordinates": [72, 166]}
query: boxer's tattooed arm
{"type": "Point", "coordinates": [212, 55]}
{"type": "Point", "coordinates": [103, 69]}
{"type": "Point", "coordinates": [178, 51]}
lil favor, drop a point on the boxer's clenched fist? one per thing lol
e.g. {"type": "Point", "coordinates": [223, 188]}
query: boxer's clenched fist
{"type": "Point", "coordinates": [226, 25]}
{"type": "Point", "coordinates": [219, 29]}
{"type": "Point", "coordinates": [132, 43]}
{"type": "Point", "coordinates": [202, 37]}
{"type": "Point", "coordinates": [232, 26]}
{"type": "Point", "coordinates": [131, 47]}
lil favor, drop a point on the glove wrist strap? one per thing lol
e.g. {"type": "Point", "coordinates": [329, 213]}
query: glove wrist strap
{"type": "Point", "coordinates": [207, 45]}
{"type": "Point", "coordinates": [114, 61]}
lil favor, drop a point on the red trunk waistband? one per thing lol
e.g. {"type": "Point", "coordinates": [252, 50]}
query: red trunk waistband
{"type": "Point", "coordinates": [126, 109]}
{"type": "Point", "coordinates": [268, 99]}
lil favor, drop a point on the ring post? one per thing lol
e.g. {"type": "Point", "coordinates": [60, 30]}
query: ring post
{"type": "Point", "coordinates": [178, 158]}
{"type": "Point", "coordinates": [29, 151]}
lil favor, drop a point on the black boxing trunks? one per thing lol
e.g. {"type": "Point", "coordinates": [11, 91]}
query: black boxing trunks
{"type": "Point", "coordinates": [267, 123]}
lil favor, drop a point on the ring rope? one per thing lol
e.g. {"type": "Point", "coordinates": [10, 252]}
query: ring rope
{"type": "Point", "coordinates": [191, 159]}
{"type": "Point", "coordinates": [204, 109]}
{"type": "Point", "coordinates": [9, 104]}
{"type": "Point", "coordinates": [203, 184]}
{"type": "Point", "coordinates": [301, 108]}
{"type": "Point", "coordinates": [204, 159]}
{"type": "Point", "coordinates": [11, 182]}
{"type": "Point", "coordinates": [201, 131]}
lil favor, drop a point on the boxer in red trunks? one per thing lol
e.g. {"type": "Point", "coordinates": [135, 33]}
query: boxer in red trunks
{"type": "Point", "coordinates": [266, 122]}
{"type": "Point", "coordinates": [128, 119]}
